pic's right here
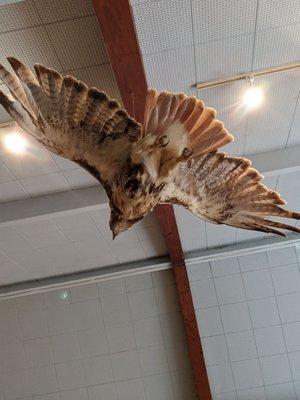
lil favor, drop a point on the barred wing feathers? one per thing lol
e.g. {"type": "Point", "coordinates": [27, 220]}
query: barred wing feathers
{"type": "Point", "coordinates": [226, 190]}
{"type": "Point", "coordinates": [70, 119]}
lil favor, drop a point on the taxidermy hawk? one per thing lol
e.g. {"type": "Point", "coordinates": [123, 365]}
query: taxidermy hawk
{"type": "Point", "coordinates": [172, 158]}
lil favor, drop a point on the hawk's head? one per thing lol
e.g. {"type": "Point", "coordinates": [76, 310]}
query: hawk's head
{"type": "Point", "coordinates": [131, 198]}
{"type": "Point", "coordinates": [120, 222]}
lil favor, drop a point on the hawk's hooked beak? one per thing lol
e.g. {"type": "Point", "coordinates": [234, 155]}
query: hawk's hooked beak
{"type": "Point", "coordinates": [114, 235]}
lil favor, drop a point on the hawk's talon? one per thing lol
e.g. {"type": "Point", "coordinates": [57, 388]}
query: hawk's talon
{"type": "Point", "coordinates": [162, 141]}
{"type": "Point", "coordinates": [186, 153]}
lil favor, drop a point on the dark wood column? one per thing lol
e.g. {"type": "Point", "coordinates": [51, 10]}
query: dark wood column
{"type": "Point", "coordinates": [118, 30]}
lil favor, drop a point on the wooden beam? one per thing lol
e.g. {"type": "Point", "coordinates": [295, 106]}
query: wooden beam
{"type": "Point", "coordinates": [117, 27]}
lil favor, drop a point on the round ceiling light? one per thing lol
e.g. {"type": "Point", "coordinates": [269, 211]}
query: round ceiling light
{"type": "Point", "coordinates": [253, 97]}
{"type": "Point", "coordinates": [15, 142]}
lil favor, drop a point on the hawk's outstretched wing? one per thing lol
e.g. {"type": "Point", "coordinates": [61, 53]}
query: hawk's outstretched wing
{"type": "Point", "coordinates": [70, 119]}
{"type": "Point", "coordinates": [226, 190]}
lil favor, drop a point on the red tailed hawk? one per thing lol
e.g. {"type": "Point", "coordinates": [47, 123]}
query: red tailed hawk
{"type": "Point", "coordinates": [172, 158]}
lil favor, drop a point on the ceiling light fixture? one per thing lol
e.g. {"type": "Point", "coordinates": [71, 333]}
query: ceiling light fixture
{"type": "Point", "coordinates": [253, 96]}
{"type": "Point", "coordinates": [14, 141]}
{"type": "Point", "coordinates": [234, 78]}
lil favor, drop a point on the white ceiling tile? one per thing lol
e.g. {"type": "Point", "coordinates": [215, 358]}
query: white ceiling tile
{"type": "Point", "coordinates": [222, 58]}
{"type": "Point", "coordinates": [245, 235]}
{"type": "Point", "coordinates": [31, 45]}
{"type": "Point", "coordinates": [96, 253]}
{"type": "Point", "coordinates": [9, 247]}
{"type": "Point", "coordinates": [100, 76]}
{"type": "Point", "coordinates": [127, 238]}
{"type": "Point", "coordinates": [163, 25]}
{"type": "Point", "coordinates": [45, 239]}
{"type": "Point", "coordinates": [11, 191]}
{"type": "Point", "coordinates": [5, 175]}
{"type": "Point", "coordinates": [294, 137]}
{"type": "Point", "coordinates": [283, 85]}
{"type": "Point", "coordinates": [235, 123]}
{"type": "Point", "coordinates": [33, 262]}
{"type": "Point", "coordinates": [8, 233]}
{"type": "Point", "coordinates": [134, 2]}
{"type": "Point", "coordinates": [218, 19]}
{"type": "Point", "coordinates": [63, 163]}
{"type": "Point", "coordinates": [149, 233]}
{"type": "Point", "coordinates": [76, 220]}
{"type": "Point", "coordinates": [126, 247]}
{"type": "Point", "coordinates": [192, 230]}
{"type": "Point", "coordinates": [18, 16]}
{"type": "Point", "coordinates": [226, 100]}
{"type": "Point", "coordinates": [9, 270]}
{"type": "Point", "coordinates": [171, 70]}
{"type": "Point", "coordinates": [41, 233]}
{"type": "Point", "coordinates": [268, 127]}
{"type": "Point", "coordinates": [130, 254]}
{"type": "Point", "coordinates": [4, 116]}
{"type": "Point", "coordinates": [289, 188]}
{"type": "Point", "coordinates": [236, 148]}
{"type": "Point", "coordinates": [272, 14]}
{"type": "Point", "coordinates": [43, 184]}
{"type": "Point", "coordinates": [34, 227]}
{"type": "Point", "coordinates": [270, 181]}
{"type": "Point", "coordinates": [154, 247]}
{"type": "Point", "coordinates": [35, 161]}
{"type": "Point", "coordinates": [78, 178]}
{"type": "Point", "coordinates": [82, 233]}
{"type": "Point", "coordinates": [57, 10]}
{"type": "Point", "coordinates": [78, 43]}
{"type": "Point", "coordinates": [218, 235]}
{"type": "Point", "coordinates": [277, 46]}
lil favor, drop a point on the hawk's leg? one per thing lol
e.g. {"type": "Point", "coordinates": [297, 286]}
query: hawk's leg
{"type": "Point", "coordinates": [169, 165]}
{"type": "Point", "coordinates": [147, 146]}
{"type": "Point", "coordinates": [161, 141]}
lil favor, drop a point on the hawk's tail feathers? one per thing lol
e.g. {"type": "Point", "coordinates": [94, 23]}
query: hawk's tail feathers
{"type": "Point", "coordinates": [173, 114]}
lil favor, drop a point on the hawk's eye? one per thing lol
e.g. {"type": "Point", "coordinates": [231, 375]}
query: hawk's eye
{"type": "Point", "coordinates": [115, 213]}
{"type": "Point", "coordinates": [132, 185]}
{"type": "Point", "coordinates": [135, 169]}
{"type": "Point", "coordinates": [134, 220]}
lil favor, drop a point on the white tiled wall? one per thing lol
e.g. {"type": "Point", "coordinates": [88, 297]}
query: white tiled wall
{"type": "Point", "coordinates": [119, 340]}
{"type": "Point", "coordinates": [248, 310]}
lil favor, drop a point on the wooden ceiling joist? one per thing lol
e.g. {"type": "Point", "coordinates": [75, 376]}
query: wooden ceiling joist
{"type": "Point", "coordinates": [118, 30]}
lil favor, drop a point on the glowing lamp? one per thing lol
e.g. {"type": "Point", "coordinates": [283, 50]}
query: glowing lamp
{"type": "Point", "coordinates": [15, 142]}
{"type": "Point", "coordinates": [253, 96]}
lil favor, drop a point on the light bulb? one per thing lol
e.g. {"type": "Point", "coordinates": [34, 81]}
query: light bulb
{"type": "Point", "coordinates": [253, 97]}
{"type": "Point", "coordinates": [64, 294]}
{"type": "Point", "coordinates": [15, 142]}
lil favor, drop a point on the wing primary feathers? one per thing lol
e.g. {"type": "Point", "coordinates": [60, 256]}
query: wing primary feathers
{"type": "Point", "coordinates": [69, 118]}
{"type": "Point", "coordinates": [227, 190]}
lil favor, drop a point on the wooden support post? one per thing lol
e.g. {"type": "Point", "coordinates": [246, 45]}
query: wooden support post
{"type": "Point", "coordinates": [117, 27]}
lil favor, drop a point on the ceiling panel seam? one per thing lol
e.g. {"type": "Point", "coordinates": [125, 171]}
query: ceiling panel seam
{"type": "Point", "coordinates": [43, 24]}
{"type": "Point", "coordinates": [293, 118]}
{"type": "Point", "coordinates": [195, 76]}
